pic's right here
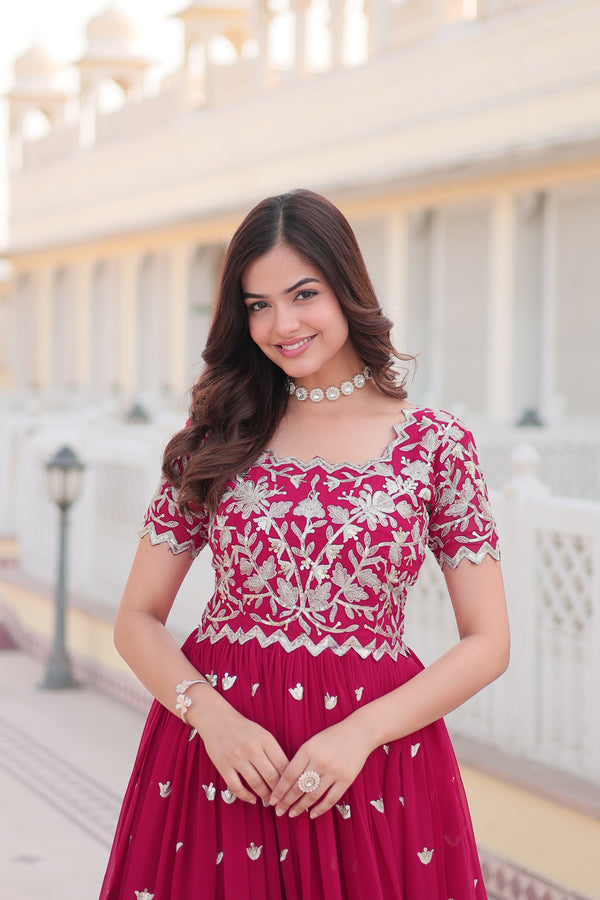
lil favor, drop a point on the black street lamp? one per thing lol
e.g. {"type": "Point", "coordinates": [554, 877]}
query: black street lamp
{"type": "Point", "coordinates": [63, 481]}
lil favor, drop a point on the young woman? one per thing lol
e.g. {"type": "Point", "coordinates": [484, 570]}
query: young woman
{"type": "Point", "coordinates": [297, 748]}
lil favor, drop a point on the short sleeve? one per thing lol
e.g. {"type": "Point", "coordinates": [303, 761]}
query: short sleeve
{"type": "Point", "coordinates": [461, 524]}
{"type": "Point", "coordinates": [163, 523]}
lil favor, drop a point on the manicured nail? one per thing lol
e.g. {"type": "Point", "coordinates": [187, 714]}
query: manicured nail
{"type": "Point", "coordinates": [293, 812]}
{"type": "Point", "coordinates": [279, 812]}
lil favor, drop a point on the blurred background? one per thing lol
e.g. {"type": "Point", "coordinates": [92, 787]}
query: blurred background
{"type": "Point", "coordinates": [462, 140]}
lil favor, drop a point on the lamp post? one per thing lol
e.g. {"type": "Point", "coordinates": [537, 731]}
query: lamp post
{"type": "Point", "coordinates": [63, 481]}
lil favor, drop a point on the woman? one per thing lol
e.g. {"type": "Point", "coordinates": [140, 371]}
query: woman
{"type": "Point", "coordinates": [297, 749]}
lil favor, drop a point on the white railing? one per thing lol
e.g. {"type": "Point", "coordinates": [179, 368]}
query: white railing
{"type": "Point", "coordinates": [544, 709]}
{"type": "Point", "coordinates": [570, 456]}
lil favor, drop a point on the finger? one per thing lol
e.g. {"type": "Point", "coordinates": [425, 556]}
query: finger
{"type": "Point", "coordinates": [288, 780]}
{"type": "Point", "coordinates": [328, 800]}
{"type": "Point", "coordinates": [255, 781]}
{"type": "Point", "coordinates": [270, 774]}
{"type": "Point", "coordinates": [277, 758]}
{"type": "Point", "coordinates": [236, 786]}
{"type": "Point", "coordinates": [307, 800]}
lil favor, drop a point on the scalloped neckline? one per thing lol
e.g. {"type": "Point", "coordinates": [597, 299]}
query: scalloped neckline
{"type": "Point", "coordinates": [318, 461]}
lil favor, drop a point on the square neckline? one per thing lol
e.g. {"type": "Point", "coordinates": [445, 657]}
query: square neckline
{"type": "Point", "coordinates": [319, 461]}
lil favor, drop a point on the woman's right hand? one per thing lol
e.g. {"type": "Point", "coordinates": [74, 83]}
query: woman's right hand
{"type": "Point", "coordinates": [246, 755]}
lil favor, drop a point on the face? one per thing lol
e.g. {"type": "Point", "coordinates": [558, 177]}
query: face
{"type": "Point", "coordinates": [296, 319]}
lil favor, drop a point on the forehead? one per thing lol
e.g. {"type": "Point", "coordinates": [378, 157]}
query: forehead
{"type": "Point", "coordinates": [277, 270]}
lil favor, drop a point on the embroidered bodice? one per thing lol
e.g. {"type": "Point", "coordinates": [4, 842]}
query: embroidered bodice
{"type": "Point", "coordinates": [322, 556]}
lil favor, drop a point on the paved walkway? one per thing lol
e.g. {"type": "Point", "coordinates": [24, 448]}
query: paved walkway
{"type": "Point", "coordinates": [65, 758]}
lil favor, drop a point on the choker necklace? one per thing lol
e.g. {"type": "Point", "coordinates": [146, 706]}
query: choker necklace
{"type": "Point", "coordinates": [331, 393]}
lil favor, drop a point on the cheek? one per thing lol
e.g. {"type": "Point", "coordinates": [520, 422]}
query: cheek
{"type": "Point", "coordinates": [257, 329]}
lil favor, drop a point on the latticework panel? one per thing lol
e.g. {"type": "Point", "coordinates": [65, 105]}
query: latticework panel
{"type": "Point", "coordinates": [564, 574]}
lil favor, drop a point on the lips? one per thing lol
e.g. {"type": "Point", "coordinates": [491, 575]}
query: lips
{"type": "Point", "coordinates": [292, 348]}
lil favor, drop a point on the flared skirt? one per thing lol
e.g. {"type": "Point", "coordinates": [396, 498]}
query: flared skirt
{"type": "Point", "coordinates": [402, 831]}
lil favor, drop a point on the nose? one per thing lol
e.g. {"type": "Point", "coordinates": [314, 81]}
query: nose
{"type": "Point", "coordinates": [286, 319]}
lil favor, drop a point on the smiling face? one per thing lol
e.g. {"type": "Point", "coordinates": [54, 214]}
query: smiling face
{"type": "Point", "coordinates": [296, 320]}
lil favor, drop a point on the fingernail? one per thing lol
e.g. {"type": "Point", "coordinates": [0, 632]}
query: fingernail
{"type": "Point", "coordinates": [279, 812]}
{"type": "Point", "coordinates": [273, 801]}
{"type": "Point", "coordinates": [293, 812]}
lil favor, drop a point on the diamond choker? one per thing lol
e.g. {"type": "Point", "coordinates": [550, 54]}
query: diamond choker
{"type": "Point", "coordinates": [332, 393]}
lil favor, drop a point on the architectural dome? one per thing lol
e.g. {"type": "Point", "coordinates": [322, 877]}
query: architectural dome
{"type": "Point", "coordinates": [110, 33]}
{"type": "Point", "coordinates": [35, 67]}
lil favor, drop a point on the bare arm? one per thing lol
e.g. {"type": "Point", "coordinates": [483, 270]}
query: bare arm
{"type": "Point", "coordinates": [481, 655]}
{"type": "Point", "coordinates": [239, 748]}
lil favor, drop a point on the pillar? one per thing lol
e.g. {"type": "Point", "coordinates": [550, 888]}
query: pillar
{"type": "Point", "coordinates": [501, 311]}
{"type": "Point", "coordinates": [128, 349]}
{"type": "Point", "coordinates": [179, 293]}
{"type": "Point", "coordinates": [83, 321]}
{"type": "Point", "coordinates": [45, 277]}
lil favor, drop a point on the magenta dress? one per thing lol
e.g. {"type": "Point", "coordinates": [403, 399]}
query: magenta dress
{"type": "Point", "coordinates": [313, 563]}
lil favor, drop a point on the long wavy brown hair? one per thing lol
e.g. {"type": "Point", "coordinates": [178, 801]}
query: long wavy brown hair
{"type": "Point", "coordinates": [241, 395]}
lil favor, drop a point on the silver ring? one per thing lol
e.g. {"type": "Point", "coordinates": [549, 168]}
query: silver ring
{"type": "Point", "coordinates": [309, 781]}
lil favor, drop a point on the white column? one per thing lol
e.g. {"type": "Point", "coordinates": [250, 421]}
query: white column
{"type": "Point", "coordinates": [83, 321]}
{"type": "Point", "coordinates": [262, 18]}
{"type": "Point", "coordinates": [45, 277]}
{"type": "Point", "coordinates": [128, 350]}
{"type": "Point", "coordinates": [178, 311]}
{"type": "Point", "coordinates": [337, 31]}
{"type": "Point", "coordinates": [550, 402]}
{"type": "Point", "coordinates": [395, 262]}
{"type": "Point", "coordinates": [300, 8]}
{"type": "Point", "coordinates": [378, 16]}
{"type": "Point", "coordinates": [435, 345]}
{"type": "Point", "coordinates": [501, 311]}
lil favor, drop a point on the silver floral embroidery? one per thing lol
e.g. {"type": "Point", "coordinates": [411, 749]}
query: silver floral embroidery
{"type": "Point", "coordinates": [178, 846]}
{"type": "Point", "coordinates": [378, 804]}
{"type": "Point", "coordinates": [386, 747]}
{"type": "Point", "coordinates": [322, 556]}
{"type": "Point", "coordinates": [425, 856]}
{"type": "Point", "coordinates": [228, 681]}
{"type": "Point", "coordinates": [253, 851]}
{"type": "Point", "coordinates": [330, 701]}
{"type": "Point", "coordinates": [297, 692]}
{"type": "Point", "coordinates": [344, 810]}
{"type": "Point", "coordinates": [401, 799]}
{"type": "Point", "coordinates": [359, 693]}
{"type": "Point", "coordinates": [414, 749]}
{"type": "Point", "coordinates": [212, 679]}
{"type": "Point", "coordinates": [254, 688]}
{"type": "Point", "coordinates": [193, 734]}
{"type": "Point", "coordinates": [210, 791]}
{"type": "Point", "coordinates": [283, 854]}
{"type": "Point", "coordinates": [228, 796]}
{"type": "Point", "coordinates": [144, 895]}
{"type": "Point", "coordinates": [219, 856]}
{"type": "Point", "coordinates": [165, 789]}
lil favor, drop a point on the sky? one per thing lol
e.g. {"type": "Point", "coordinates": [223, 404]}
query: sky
{"type": "Point", "coordinates": [60, 27]}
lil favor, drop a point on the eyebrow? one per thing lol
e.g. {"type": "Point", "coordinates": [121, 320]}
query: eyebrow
{"type": "Point", "coordinates": [289, 290]}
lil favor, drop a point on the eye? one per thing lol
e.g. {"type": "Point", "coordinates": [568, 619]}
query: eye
{"type": "Point", "coordinates": [256, 306]}
{"type": "Point", "coordinates": [305, 295]}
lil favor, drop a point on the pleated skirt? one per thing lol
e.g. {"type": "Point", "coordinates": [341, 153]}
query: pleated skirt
{"type": "Point", "coordinates": [402, 831]}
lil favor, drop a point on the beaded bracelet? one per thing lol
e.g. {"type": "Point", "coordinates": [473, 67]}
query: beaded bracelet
{"type": "Point", "coordinates": [183, 701]}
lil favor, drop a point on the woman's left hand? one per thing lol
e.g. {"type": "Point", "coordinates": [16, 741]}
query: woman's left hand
{"type": "Point", "coordinates": [337, 755]}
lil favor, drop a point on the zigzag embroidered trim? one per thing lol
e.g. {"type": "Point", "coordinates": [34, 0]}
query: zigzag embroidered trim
{"type": "Point", "coordinates": [169, 538]}
{"type": "Point", "coordinates": [279, 637]}
{"type": "Point", "coordinates": [467, 553]}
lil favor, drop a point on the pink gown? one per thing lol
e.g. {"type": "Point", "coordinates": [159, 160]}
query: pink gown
{"type": "Point", "coordinates": [313, 563]}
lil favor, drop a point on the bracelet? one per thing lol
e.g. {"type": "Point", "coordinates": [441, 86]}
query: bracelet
{"type": "Point", "coordinates": [183, 701]}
